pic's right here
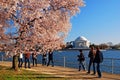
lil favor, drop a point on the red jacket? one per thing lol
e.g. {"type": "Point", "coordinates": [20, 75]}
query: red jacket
{"type": "Point", "coordinates": [27, 55]}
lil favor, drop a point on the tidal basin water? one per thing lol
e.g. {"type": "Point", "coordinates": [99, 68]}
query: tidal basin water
{"type": "Point", "coordinates": [111, 63]}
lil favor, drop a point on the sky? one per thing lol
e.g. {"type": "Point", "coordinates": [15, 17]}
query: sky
{"type": "Point", "coordinates": [98, 21]}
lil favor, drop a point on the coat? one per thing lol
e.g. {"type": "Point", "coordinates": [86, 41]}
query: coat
{"type": "Point", "coordinates": [98, 57]}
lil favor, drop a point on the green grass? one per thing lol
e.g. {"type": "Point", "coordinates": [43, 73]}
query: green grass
{"type": "Point", "coordinates": [7, 73]}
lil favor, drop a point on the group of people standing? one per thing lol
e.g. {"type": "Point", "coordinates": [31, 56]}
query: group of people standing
{"type": "Point", "coordinates": [96, 57]}
{"type": "Point", "coordinates": [47, 58]}
{"type": "Point", "coordinates": [26, 55]}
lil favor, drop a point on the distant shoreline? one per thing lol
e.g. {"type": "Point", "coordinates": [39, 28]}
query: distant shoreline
{"type": "Point", "coordinates": [76, 49]}
{"type": "Point", "coordinates": [87, 49]}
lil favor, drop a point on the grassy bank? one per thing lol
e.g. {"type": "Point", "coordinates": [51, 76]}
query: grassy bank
{"type": "Point", "coordinates": [7, 73]}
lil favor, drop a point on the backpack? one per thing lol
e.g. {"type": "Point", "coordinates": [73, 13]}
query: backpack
{"type": "Point", "coordinates": [82, 58]}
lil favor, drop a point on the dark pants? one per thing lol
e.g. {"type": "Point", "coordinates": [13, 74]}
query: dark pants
{"type": "Point", "coordinates": [43, 61]}
{"type": "Point", "coordinates": [81, 63]}
{"type": "Point", "coordinates": [34, 61]}
{"type": "Point", "coordinates": [90, 63]}
{"type": "Point", "coordinates": [50, 60]}
{"type": "Point", "coordinates": [27, 61]}
{"type": "Point", "coordinates": [20, 62]}
{"type": "Point", "coordinates": [98, 70]}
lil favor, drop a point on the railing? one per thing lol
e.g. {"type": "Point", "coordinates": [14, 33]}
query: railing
{"type": "Point", "coordinates": [110, 65]}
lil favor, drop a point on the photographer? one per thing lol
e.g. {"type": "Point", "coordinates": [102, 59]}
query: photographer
{"type": "Point", "coordinates": [81, 60]}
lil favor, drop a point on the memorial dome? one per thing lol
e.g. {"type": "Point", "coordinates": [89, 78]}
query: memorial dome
{"type": "Point", "coordinates": [81, 42]}
{"type": "Point", "coordinates": [80, 38]}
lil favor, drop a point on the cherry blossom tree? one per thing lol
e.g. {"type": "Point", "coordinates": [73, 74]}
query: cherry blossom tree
{"type": "Point", "coordinates": [38, 23]}
{"type": "Point", "coordinates": [43, 23]}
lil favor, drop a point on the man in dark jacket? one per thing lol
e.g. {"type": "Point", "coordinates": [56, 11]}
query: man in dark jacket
{"type": "Point", "coordinates": [91, 55]}
{"type": "Point", "coordinates": [98, 59]}
{"type": "Point", "coordinates": [50, 58]}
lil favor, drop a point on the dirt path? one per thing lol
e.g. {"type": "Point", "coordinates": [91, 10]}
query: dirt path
{"type": "Point", "coordinates": [72, 74]}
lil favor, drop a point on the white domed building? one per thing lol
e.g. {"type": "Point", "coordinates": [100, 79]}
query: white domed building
{"type": "Point", "coordinates": [81, 42]}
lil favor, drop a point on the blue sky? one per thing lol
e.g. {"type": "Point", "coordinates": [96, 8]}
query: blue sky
{"type": "Point", "coordinates": [98, 21]}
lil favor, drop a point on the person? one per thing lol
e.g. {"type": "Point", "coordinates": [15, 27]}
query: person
{"type": "Point", "coordinates": [91, 55]}
{"type": "Point", "coordinates": [20, 59]}
{"type": "Point", "coordinates": [50, 58]}
{"type": "Point", "coordinates": [44, 59]}
{"type": "Point", "coordinates": [34, 57]}
{"type": "Point", "coordinates": [81, 60]}
{"type": "Point", "coordinates": [27, 58]}
{"type": "Point", "coordinates": [98, 59]}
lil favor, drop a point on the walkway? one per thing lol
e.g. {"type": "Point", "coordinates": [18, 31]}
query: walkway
{"type": "Point", "coordinates": [72, 74]}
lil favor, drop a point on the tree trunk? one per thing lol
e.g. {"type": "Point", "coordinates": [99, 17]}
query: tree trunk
{"type": "Point", "coordinates": [15, 62]}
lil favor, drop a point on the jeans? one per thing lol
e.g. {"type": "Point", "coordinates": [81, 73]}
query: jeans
{"type": "Point", "coordinates": [34, 61]}
{"type": "Point", "coordinates": [43, 62]}
{"type": "Point", "coordinates": [49, 62]}
{"type": "Point", "coordinates": [20, 62]}
{"type": "Point", "coordinates": [98, 70]}
{"type": "Point", "coordinates": [27, 61]}
{"type": "Point", "coordinates": [81, 63]}
{"type": "Point", "coordinates": [90, 63]}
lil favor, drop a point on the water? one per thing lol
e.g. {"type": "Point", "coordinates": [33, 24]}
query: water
{"type": "Point", "coordinates": [111, 58]}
